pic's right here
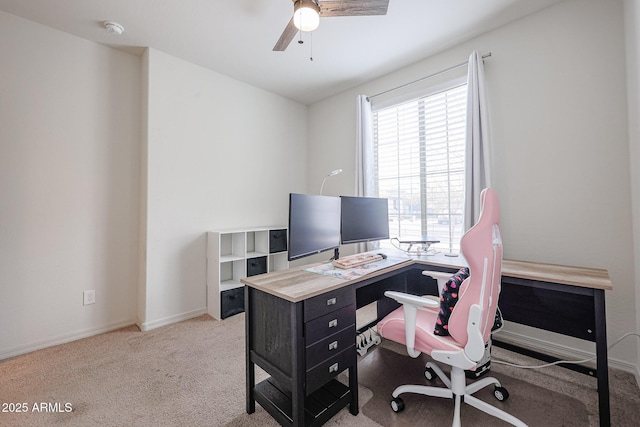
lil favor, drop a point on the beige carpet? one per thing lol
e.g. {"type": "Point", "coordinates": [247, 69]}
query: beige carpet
{"type": "Point", "coordinates": [193, 374]}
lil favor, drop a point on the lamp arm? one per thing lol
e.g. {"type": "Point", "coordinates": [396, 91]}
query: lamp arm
{"type": "Point", "coordinates": [332, 173]}
{"type": "Point", "coordinates": [323, 181]}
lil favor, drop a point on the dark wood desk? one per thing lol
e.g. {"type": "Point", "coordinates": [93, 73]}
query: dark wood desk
{"type": "Point", "coordinates": [565, 300]}
{"type": "Point", "coordinates": [300, 327]}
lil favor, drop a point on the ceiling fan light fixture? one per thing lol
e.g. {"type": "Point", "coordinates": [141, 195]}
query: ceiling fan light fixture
{"type": "Point", "coordinates": [306, 15]}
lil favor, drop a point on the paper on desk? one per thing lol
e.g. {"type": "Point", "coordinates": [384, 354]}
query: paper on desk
{"type": "Point", "coordinates": [329, 269]}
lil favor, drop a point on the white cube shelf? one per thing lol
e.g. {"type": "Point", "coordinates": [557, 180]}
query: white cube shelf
{"type": "Point", "coordinates": [235, 254]}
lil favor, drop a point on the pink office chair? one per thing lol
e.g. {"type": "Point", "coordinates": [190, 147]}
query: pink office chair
{"type": "Point", "coordinates": [469, 324]}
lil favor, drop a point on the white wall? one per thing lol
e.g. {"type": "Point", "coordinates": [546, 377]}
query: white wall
{"type": "Point", "coordinates": [632, 32]}
{"type": "Point", "coordinates": [69, 154]}
{"type": "Point", "coordinates": [556, 82]}
{"type": "Point", "coordinates": [112, 169]}
{"type": "Point", "coordinates": [221, 154]}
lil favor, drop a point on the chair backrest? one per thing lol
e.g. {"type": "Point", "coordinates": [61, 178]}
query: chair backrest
{"type": "Point", "coordinates": [481, 247]}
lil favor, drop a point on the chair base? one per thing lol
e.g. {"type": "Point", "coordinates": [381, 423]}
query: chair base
{"type": "Point", "coordinates": [456, 388]}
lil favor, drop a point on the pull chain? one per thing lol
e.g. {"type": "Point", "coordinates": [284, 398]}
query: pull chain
{"type": "Point", "coordinates": [300, 41]}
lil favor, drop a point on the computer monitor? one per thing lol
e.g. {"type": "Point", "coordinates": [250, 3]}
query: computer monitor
{"type": "Point", "coordinates": [364, 219]}
{"type": "Point", "coordinates": [314, 224]}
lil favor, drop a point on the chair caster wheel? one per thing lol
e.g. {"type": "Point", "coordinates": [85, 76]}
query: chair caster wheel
{"type": "Point", "coordinates": [397, 404]}
{"type": "Point", "coordinates": [501, 393]}
{"type": "Point", "coordinates": [429, 374]}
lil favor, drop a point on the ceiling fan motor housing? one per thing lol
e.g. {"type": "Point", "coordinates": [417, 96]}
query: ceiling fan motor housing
{"type": "Point", "coordinates": [306, 15]}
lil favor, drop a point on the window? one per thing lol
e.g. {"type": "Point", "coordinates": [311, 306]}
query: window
{"type": "Point", "coordinates": [419, 165]}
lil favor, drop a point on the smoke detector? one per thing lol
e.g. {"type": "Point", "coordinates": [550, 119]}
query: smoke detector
{"type": "Point", "coordinates": [113, 27]}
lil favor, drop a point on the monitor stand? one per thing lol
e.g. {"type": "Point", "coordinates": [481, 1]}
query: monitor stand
{"type": "Point", "coordinates": [424, 241]}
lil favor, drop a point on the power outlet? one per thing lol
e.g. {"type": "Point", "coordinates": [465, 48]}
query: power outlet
{"type": "Point", "coordinates": [88, 297]}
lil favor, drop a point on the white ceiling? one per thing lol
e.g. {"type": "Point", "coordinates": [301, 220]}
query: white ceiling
{"type": "Point", "coordinates": [236, 37]}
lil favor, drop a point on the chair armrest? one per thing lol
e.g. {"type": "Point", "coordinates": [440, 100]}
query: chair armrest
{"type": "Point", "coordinates": [437, 274]}
{"type": "Point", "coordinates": [441, 278]}
{"type": "Point", "coordinates": [411, 304]}
{"type": "Point", "coordinates": [414, 300]}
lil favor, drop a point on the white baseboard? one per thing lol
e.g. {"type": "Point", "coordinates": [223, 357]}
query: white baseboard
{"type": "Point", "coordinates": [62, 339]}
{"type": "Point", "coordinates": [561, 351]}
{"type": "Point", "coordinates": [85, 333]}
{"type": "Point", "coordinates": [147, 326]}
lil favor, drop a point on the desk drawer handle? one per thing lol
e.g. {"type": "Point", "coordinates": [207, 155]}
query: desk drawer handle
{"type": "Point", "coordinates": [333, 368]}
{"type": "Point", "coordinates": [332, 301]}
{"type": "Point", "coordinates": [333, 323]}
{"type": "Point", "coordinates": [333, 345]}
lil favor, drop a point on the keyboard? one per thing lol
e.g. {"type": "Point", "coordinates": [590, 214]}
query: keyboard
{"type": "Point", "coordinates": [353, 261]}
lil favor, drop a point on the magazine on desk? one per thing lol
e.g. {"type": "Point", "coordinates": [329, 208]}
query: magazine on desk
{"type": "Point", "coordinates": [329, 269]}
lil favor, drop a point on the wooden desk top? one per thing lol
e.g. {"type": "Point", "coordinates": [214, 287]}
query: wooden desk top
{"type": "Point", "coordinates": [566, 275]}
{"type": "Point", "coordinates": [296, 284]}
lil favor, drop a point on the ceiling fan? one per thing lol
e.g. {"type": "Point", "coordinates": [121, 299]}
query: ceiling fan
{"type": "Point", "coordinates": [307, 14]}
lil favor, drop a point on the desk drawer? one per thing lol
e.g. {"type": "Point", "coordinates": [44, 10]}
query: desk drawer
{"type": "Point", "coordinates": [329, 324]}
{"type": "Point", "coordinates": [325, 371]}
{"type": "Point", "coordinates": [329, 301]}
{"type": "Point", "coordinates": [331, 346]}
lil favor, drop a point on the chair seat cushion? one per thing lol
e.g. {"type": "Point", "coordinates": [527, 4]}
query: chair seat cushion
{"type": "Point", "coordinates": [392, 327]}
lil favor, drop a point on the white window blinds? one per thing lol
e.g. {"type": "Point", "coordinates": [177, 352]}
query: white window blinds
{"type": "Point", "coordinates": [419, 166]}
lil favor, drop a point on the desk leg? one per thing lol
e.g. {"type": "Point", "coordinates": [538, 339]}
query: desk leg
{"type": "Point", "coordinates": [353, 385]}
{"type": "Point", "coordinates": [298, 374]}
{"type": "Point", "coordinates": [251, 401]}
{"type": "Point", "coordinates": [250, 368]}
{"type": "Point", "coordinates": [602, 361]}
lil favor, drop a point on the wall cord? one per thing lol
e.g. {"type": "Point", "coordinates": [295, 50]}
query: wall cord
{"type": "Point", "coordinates": [576, 362]}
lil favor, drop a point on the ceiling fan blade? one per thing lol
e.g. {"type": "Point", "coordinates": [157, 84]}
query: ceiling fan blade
{"type": "Point", "coordinates": [287, 35]}
{"type": "Point", "coordinates": [353, 7]}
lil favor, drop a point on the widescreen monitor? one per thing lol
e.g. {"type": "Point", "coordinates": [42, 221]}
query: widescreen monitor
{"type": "Point", "coordinates": [364, 219]}
{"type": "Point", "coordinates": [314, 224]}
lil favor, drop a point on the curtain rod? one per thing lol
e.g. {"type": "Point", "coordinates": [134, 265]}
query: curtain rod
{"type": "Point", "coordinates": [427, 77]}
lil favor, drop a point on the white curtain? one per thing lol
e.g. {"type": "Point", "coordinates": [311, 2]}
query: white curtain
{"type": "Point", "coordinates": [477, 167]}
{"type": "Point", "coordinates": [364, 148]}
{"type": "Point", "coordinates": [364, 154]}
